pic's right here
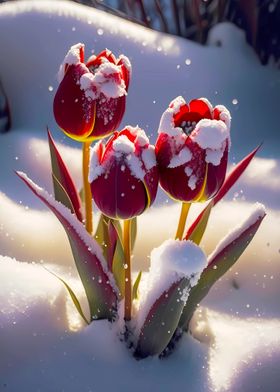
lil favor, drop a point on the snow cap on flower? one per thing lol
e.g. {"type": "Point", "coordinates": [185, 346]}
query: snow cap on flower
{"type": "Point", "coordinates": [192, 149]}
{"type": "Point", "coordinates": [123, 174]}
{"type": "Point", "coordinates": [90, 100]}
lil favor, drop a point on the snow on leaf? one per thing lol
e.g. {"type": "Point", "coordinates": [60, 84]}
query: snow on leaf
{"type": "Point", "coordinates": [200, 224]}
{"type": "Point", "coordinates": [221, 260]}
{"type": "Point", "coordinates": [62, 177]}
{"type": "Point", "coordinates": [98, 282]}
{"type": "Point", "coordinates": [175, 268]}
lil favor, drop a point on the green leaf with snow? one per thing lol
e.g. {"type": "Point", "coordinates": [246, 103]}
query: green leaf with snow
{"type": "Point", "coordinates": [220, 261]}
{"type": "Point", "coordinates": [99, 284]}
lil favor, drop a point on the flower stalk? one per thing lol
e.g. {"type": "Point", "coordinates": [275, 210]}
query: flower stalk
{"type": "Point", "coordinates": [182, 220]}
{"type": "Point", "coordinates": [127, 275]}
{"type": "Point", "coordinates": [87, 190]}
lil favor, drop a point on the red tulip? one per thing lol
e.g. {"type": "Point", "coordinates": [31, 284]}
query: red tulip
{"type": "Point", "coordinates": [192, 149]}
{"type": "Point", "coordinates": [124, 174]}
{"type": "Point", "coordinates": [90, 100]}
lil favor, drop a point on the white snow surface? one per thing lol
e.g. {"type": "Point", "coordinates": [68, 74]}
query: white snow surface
{"type": "Point", "coordinates": [38, 349]}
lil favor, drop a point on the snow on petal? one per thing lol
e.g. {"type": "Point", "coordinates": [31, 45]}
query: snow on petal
{"type": "Point", "coordinates": [181, 158]}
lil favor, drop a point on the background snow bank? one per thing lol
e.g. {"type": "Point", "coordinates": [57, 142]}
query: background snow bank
{"type": "Point", "coordinates": [35, 311]}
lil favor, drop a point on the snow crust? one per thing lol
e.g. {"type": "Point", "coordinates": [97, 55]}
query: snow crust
{"type": "Point", "coordinates": [170, 262]}
{"type": "Point", "coordinates": [123, 145]}
{"type": "Point", "coordinates": [211, 135]}
{"type": "Point", "coordinates": [149, 157]}
{"type": "Point", "coordinates": [166, 124]}
{"type": "Point", "coordinates": [72, 58]}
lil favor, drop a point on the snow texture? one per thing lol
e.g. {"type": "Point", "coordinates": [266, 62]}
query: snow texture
{"type": "Point", "coordinates": [72, 58]}
{"type": "Point", "coordinates": [211, 135]}
{"type": "Point", "coordinates": [149, 157]}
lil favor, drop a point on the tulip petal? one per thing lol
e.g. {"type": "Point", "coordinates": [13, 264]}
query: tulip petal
{"type": "Point", "coordinates": [127, 196]}
{"type": "Point", "coordinates": [74, 112]}
{"type": "Point", "coordinates": [219, 264]}
{"type": "Point", "coordinates": [63, 182]}
{"type": "Point", "coordinates": [201, 106]}
{"type": "Point", "coordinates": [98, 283]}
{"type": "Point", "coordinates": [109, 114]}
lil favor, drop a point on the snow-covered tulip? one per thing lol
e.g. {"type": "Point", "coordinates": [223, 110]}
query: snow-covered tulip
{"type": "Point", "coordinates": [90, 100]}
{"type": "Point", "coordinates": [123, 174]}
{"type": "Point", "coordinates": [192, 149]}
{"type": "Point", "coordinates": [192, 152]}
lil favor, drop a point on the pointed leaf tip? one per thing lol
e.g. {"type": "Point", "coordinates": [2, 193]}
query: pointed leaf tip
{"type": "Point", "coordinates": [62, 177]}
{"type": "Point", "coordinates": [99, 284]}
{"type": "Point", "coordinates": [227, 252]}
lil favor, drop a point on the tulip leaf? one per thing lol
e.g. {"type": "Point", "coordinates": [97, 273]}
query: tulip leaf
{"type": "Point", "coordinates": [200, 224]}
{"type": "Point", "coordinates": [62, 175]}
{"type": "Point", "coordinates": [199, 230]}
{"type": "Point", "coordinates": [99, 284]}
{"type": "Point", "coordinates": [61, 194]}
{"type": "Point", "coordinates": [136, 285]}
{"type": "Point", "coordinates": [162, 320]}
{"type": "Point", "coordinates": [222, 259]}
{"type": "Point", "coordinates": [72, 295]}
{"type": "Point", "coordinates": [101, 234]}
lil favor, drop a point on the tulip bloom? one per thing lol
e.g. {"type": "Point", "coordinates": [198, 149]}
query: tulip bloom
{"type": "Point", "coordinates": [90, 100]}
{"type": "Point", "coordinates": [192, 149]}
{"type": "Point", "coordinates": [123, 174]}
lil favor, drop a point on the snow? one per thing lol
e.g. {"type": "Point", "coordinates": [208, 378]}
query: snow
{"type": "Point", "coordinates": [95, 169]}
{"type": "Point", "coordinates": [72, 58]}
{"type": "Point", "coordinates": [192, 182]}
{"type": "Point", "coordinates": [181, 158]}
{"type": "Point", "coordinates": [211, 135]}
{"type": "Point", "coordinates": [136, 166]}
{"type": "Point", "coordinates": [123, 145]}
{"type": "Point", "coordinates": [87, 85]}
{"type": "Point", "coordinates": [257, 213]}
{"type": "Point", "coordinates": [170, 262]}
{"type": "Point", "coordinates": [166, 124]}
{"type": "Point", "coordinates": [39, 348]}
{"type": "Point", "coordinates": [108, 81]}
{"type": "Point", "coordinates": [149, 157]}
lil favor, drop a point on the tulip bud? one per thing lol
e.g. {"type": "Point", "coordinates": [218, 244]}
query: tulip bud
{"type": "Point", "coordinates": [192, 149]}
{"type": "Point", "coordinates": [90, 100]}
{"type": "Point", "coordinates": [123, 174]}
